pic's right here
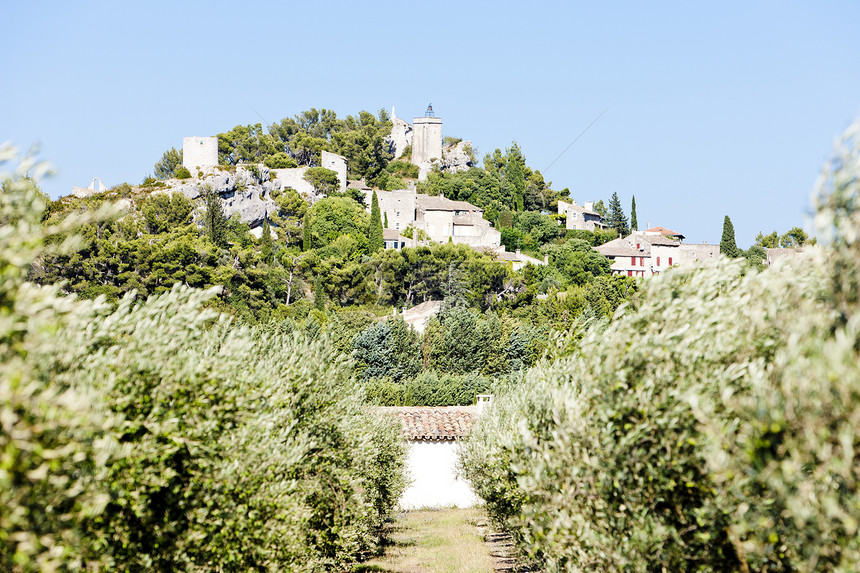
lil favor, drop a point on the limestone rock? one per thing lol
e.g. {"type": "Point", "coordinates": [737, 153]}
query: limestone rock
{"type": "Point", "coordinates": [459, 157]}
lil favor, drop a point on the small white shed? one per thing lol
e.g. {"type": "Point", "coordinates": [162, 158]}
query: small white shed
{"type": "Point", "coordinates": [432, 434]}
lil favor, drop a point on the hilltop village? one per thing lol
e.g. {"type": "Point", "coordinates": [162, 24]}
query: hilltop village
{"type": "Point", "coordinates": [418, 215]}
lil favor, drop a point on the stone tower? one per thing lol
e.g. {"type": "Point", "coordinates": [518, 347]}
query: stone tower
{"type": "Point", "coordinates": [426, 138]}
{"type": "Point", "coordinates": [199, 152]}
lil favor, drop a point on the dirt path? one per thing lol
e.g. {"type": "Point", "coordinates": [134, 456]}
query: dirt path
{"type": "Point", "coordinates": [445, 541]}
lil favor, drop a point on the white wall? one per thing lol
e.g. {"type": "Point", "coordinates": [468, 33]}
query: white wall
{"type": "Point", "coordinates": [431, 466]}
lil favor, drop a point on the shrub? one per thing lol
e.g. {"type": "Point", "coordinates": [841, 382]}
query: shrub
{"type": "Point", "coordinates": [161, 436]}
{"type": "Point", "coordinates": [181, 172]}
{"type": "Point", "coordinates": [710, 428]}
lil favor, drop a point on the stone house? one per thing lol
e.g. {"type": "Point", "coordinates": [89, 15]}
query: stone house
{"type": "Point", "coordinates": [433, 435]}
{"type": "Point", "coordinates": [393, 239]}
{"type": "Point", "coordinates": [650, 252]}
{"type": "Point", "coordinates": [439, 218]}
{"type": "Point", "coordinates": [580, 217]}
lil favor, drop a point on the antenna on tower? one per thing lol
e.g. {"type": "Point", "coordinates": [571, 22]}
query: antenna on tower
{"type": "Point", "coordinates": [429, 112]}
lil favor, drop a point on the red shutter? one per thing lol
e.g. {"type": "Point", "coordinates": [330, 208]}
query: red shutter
{"type": "Point", "coordinates": [670, 261]}
{"type": "Point", "coordinates": [658, 261]}
{"type": "Point", "coordinates": [629, 273]}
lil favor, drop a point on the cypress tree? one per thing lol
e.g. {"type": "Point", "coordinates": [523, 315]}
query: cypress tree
{"type": "Point", "coordinates": [267, 253]}
{"type": "Point", "coordinates": [319, 294]}
{"type": "Point", "coordinates": [515, 177]}
{"type": "Point", "coordinates": [385, 223]}
{"type": "Point", "coordinates": [214, 221]}
{"type": "Point", "coordinates": [634, 223]}
{"type": "Point", "coordinates": [728, 247]}
{"type": "Point", "coordinates": [306, 232]}
{"type": "Point", "coordinates": [374, 227]}
{"type": "Point", "coordinates": [617, 219]}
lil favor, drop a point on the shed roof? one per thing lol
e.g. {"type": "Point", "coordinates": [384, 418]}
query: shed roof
{"type": "Point", "coordinates": [441, 423]}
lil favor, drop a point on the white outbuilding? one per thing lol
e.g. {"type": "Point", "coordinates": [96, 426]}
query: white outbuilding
{"type": "Point", "coordinates": [433, 435]}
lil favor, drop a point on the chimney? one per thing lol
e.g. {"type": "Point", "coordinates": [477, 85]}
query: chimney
{"type": "Point", "coordinates": [518, 252]}
{"type": "Point", "coordinates": [546, 259]}
{"type": "Point", "coordinates": [483, 401]}
{"type": "Point", "coordinates": [589, 205]}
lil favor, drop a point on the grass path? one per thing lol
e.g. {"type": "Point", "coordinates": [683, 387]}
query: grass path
{"type": "Point", "coordinates": [445, 541]}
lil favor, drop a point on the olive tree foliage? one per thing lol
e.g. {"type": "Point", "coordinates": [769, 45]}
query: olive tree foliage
{"type": "Point", "coordinates": [713, 426]}
{"type": "Point", "coordinates": [161, 436]}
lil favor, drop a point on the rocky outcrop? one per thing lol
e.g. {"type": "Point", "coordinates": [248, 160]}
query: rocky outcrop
{"type": "Point", "coordinates": [459, 157]}
{"type": "Point", "coordinates": [400, 136]}
{"type": "Point", "coordinates": [245, 190]}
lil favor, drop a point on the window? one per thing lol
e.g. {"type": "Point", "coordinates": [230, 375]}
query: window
{"type": "Point", "coordinates": [641, 261]}
{"type": "Point", "coordinates": [637, 246]}
{"type": "Point", "coordinates": [396, 226]}
{"type": "Point", "coordinates": [658, 261]}
{"type": "Point", "coordinates": [629, 273]}
{"type": "Point", "coordinates": [670, 261]}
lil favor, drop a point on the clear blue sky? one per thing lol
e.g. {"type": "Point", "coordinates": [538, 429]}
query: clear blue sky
{"type": "Point", "coordinates": [713, 109]}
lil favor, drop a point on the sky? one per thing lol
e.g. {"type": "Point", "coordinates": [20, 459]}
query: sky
{"type": "Point", "coordinates": [708, 109]}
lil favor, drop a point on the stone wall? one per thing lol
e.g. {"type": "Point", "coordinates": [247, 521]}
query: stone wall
{"type": "Point", "coordinates": [295, 179]}
{"type": "Point", "coordinates": [199, 152]}
{"type": "Point", "coordinates": [336, 163]}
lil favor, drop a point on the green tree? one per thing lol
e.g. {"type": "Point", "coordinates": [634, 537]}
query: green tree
{"type": "Point", "coordinates": [728, 247]}
{"type": "Point", "coordinates": [215, 224]}
{"type": "Point", "coordinates": [795, 237]}
{"type": "Point", "coordinates": [332, 217]}
{"type": "Point", "coordinates": [770, 241]}
{"type": "Point", "coordinates": [324, 181]}
{"type": "Point", "coordinates": [514, 176]}
{"type": "Point", "coordinates": [634, 222]}
{"type": "Point", "coordinates": [267, 251]}
{"type": "Point", "coordinates": [319, 293]}
{"type": "Point", "coordinates": [617, 219]}
{"type": "Point", "coordinates": [375, 240]}
{"type": "Point", "coordinates": [162, 212]}
{"type": "Point", "coordinates": [600, 209]}
{"type": "Point", "coordinates": [164, 168]}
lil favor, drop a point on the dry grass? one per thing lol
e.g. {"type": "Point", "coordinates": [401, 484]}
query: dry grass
{"type": "Point", "coordinates": [444, 541]}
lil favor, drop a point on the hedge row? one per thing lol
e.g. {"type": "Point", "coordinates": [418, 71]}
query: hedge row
{"type": "Point", "coordinates": [163, 437]}
{"type": "Point", "coordinates": [714, 426]}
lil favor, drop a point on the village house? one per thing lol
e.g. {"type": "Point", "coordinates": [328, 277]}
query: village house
{"type": "Point", "coordinates": [650, 252]}
{"type": "Point", "coordinates": [432, 434]}
{"type": "Point", "coordinates": [581, 217]}
{"type": "Point", "coordinates": [438, 218]}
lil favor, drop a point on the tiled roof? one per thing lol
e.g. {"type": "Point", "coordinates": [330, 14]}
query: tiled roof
{"type": "Point", "coordinates": [619, 248]}
{"type": "Point", "coordinates": [663, 231]}
{"type": "Point", "coordinates": [435, 203]}
{"type": "Point", "coordinates": [425, 423]}
{"type": "Point", "coordinates": [392, 235]}
{"type": "Point", "coordinates": [658, 240]}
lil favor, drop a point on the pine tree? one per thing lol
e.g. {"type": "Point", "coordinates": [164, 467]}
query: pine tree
{"type": "Point", "coordinates": [728, 247]}
{"type": "Point", "coordinates": [634, 222]}
{"type": "Point", "coordinates": [617, 219]}
{"type": "Point", "coordinates": [214, 221]}
{"type": "Point", "coordinates": [267, 253]}
{"type": "Point", "coordinates": [375, 238]}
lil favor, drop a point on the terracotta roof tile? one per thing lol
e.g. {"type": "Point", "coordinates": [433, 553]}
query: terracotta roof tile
{"type": "Point", "coordinates": [426, 423]}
